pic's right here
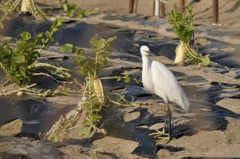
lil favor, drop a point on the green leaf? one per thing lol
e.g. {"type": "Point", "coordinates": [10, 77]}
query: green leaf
{"type": "Point", "coordinates": [66, 47]}
{"type": "Point", "coordinates": [25, 36]}
{"type": "Point", "coordinates": [85, 131]}
{"type": "Point", "coordinates": [65, 6]}
{"type": "Point", "coordinates": [205, 61]}
{"type": "Point", "coordinates": [95, 123]}
{"type": "Point", "coordinates": [111, 39]}
{"type": "Point", "coordinates": [97, 42]}
{"type": "Point", "coordinates": [96, 109]}
{"type": "Point", "coordinates": [43, 40]}
{"type": "Point", "coordinates": [127, 78]}
{"type": "Point", "coordinates": [67, 75]}
{"type": "Point", "coordinates": [59, 22]}
{"type": "Point", "coordinates": [87, 123]}
{"type": "Point", "coordinates": [53, 29]}
{"type": "Point", "coordinates": [70, 12]}
{"type": "Point", "coordinates": [93, 99]}
{"type": "Point", "coordinates": [48, 34]}
{"type": "Point", "coordinates": [119, 78]}
{"type": "Point", "coordinates": [97, 116]}
{"type": "Point", "coordinates": [20, 59]}
{"type": "Point", "coordinates": [56, 25]}
{"type": "Point", "coordinates": [79, 14]}
{"type": "Point", "coordinates": [89, 12]}
{"type": "Point", "coordinates": [1, 25]}
{"type": "Point", "coordinates": [39, 35]}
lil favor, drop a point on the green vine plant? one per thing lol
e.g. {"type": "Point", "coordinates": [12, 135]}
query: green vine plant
{"type": "Point", "coordinates": [184, 28]}
{"type": "Point", "coordinates": [18, 62]}
{"type": "Point", "coordinates": [92, 66]}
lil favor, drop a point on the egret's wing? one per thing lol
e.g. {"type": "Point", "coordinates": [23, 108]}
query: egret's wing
{"type": "Point", "coordinates": [167, 86]}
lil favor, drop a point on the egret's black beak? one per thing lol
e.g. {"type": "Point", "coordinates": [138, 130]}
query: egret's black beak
{"type": "Point", "coordinates": [150, 53]}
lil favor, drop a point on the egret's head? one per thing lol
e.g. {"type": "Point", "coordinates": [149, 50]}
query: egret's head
{"type": "Point", "coordinates": [145, 51]}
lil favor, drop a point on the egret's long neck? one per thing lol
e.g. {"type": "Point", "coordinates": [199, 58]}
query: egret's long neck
{"type": "Point", "coordinates": [146, 61]}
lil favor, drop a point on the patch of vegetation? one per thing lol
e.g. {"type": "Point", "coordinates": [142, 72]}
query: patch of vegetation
{"type": "Point", "coordinates": [18, 62]}
{"type": "Point", "coordinates": [62, 126]}
{"type": "Point", "coordinates": [184, 28]}
{"type": "Point", "coordinates": [11, 5]}
{"type": "Point", "coordinates": [72, 9]}
{"type": "Point", "coordinates": [33, 8]}
{"type": "Point", "coordinates": [92, 66]}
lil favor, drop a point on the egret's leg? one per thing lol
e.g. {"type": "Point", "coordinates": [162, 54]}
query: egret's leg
{"type": "Point", "coordinates": [165, 122]}
{"type": "Point", "coordinates": [169, 121]}
{"type": "Point", "coordinates": [162, 135]}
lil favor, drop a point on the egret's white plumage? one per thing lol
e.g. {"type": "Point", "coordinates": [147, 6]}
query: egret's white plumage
{"type": "Point", "coordinates": [158, 79]}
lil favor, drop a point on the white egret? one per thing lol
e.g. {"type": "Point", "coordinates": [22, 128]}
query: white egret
{"type": "Point", "coordinates": [158, 79]}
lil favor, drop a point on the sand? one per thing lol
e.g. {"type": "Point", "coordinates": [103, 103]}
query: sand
{"type": "Point", "coordinates": [219, 142]}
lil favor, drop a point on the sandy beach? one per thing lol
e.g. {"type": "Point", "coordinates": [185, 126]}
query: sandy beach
{"type": "Point", "coordinates": [209, 130]}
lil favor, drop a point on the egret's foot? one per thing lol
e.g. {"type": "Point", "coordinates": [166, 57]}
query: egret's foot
{"type": "Point", "coordinates": [161, 135]}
